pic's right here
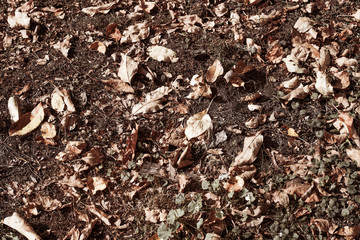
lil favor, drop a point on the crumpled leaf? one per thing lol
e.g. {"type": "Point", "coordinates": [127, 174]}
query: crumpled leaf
{"type": "Point", "coordinates": [214, 71]}
{"type": "Point", "coordinates": [104, 9]}
{"type": "Point", "coordinates": [220, 10]}
{"type": "Point", "coordinates": [128, 68]}
{"type": "Point", "coordinates": [198, 124]}
{"type": "Point", "coordinates": [153, 101]}
{"type": "Point", "coordinates": [14, 109]}
{"type": "Point", "coordinates": [162, 54]}
{"type": "Point", "coordinates": [48, 130]}
{"type": "Point", "coordinates": [250, 150]}
{"type": "Point", "coordinates": [254, 122]}
{"type": "Point", "coordinates": [234, 76]}
{"type": "Point", "coordinates": [117, 85]}
{"type": "Point", "coordinates": [191, 23]}
{"type": "Point", "coordinates": [18, 223]}
{"type": "Point", "coordinates": [64, 46]}
{"type": "Point", "coordinates": [300, 93]}
{"type": "Point", "coordinates": [60, 99]}
{"type": "Point", "coordinates": [292, 64]}
{"type": "Point", "coordinates": [200, 87]}
{"type": "Point", "coordinates": [135, 33]}
{"type": "Point", "coordinates": [350, 232]}
{"type": "Point", "coordinates": [235, 184]}
{"type": "Point", "coordinates": [98, 46]}
{"type": "Point", "coordinates": [344, 80]}
{"type": "Point", "coordinates": [324, 60]}
{"type": "Point", "coordinates": [322, 84]}
{"type": "Point", "coordinates": [354, 154]}
{"type": "Point", "coordinates": [19, 20]}
{"type": "Point", "coordinates": [93, 157]}
{"type": "Point", "coordinates": [275, 54]}
{"type": "Point", "coordinates": [113, 31]}
{"type": "Point", "coordinates": [28, 122]}
{"type": "Point", "coordinates": [97, 184]}
{"type": "Point", "coordinates": [72, 149]}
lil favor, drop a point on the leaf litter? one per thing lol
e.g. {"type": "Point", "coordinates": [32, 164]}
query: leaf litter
{"type": "Point", "coordinates": [114, 98]}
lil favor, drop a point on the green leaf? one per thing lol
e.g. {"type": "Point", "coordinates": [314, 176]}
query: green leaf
{"type": "Point", "coordinates": [180, 198]}
{"type": "Point", "coordinates": [174, 214]}
{"type": "Point", "coordinates": [205, 185]}
{"type": "Point", "coordinates": [164, 232]}
{"type": "Point", "coordinates": [215, 185]}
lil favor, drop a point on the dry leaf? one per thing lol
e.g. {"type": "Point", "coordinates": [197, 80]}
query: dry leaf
{"type": "Point", "coordinates": [98, 46]}
{"type": "Point", "coordinates": [64, 46]}
{"type": "Point", "coordinates": [255, 122]}
{"type": "Point", "coordinates": [72, 149]}
{"type": "Point", "coordinates": [280, 197]}
{"type": "Point", "coordinates": [234, 75]}
{"type": "Point", "coordinates": [14, 109]}
{"type": "Point", "coordinates": [153, 101]}
{"type": "Point", "coordinates": [198, 124]}
{"type": "Point", "coordinates": [19, 20]}
{"type": "Point", "coordinates": [352, 232]}
{"type": "Point", "coordinates": [60, 99]}
{"type": "Point", "coordinates": [250, 150]}
{"type": "Point", "coordinates": [291, 84]}
{"type": "Point", "coordinates": [275, 54]}
{"type": "Point", "coordinates": [19, 224]}
{"type": "Point", "coordinates": [322, 84]}
{"type": "Point", "coordinates": [200, 88]}
{"type": "Point", "coordinates": [344, 78]}
{"type": "Point", "coordinates": [235, 184]}
{"type": "Point", "coordinates": [135, 33]}
{"type": "Point", "coordinates": [117, 85]}
{"type": "Point", "coordinates": [128, 68]}
{"type": "Point", "coordinates": [220, 10]}
{"type": "Point", "coordinates": [113, 31]}
{"type": "Point", "coordinates": [291, 132]}
{"type": "Point", "coordinates": [93, 157]}
{"type": "Point", "coordinates": [145, 6]}
{"type": "Point", "coordinates": [28, 122]}
{"type": "Point", "coordinates": [292, 64]}
{"type": "Point", "coordinates": [300, 93]}
{"type": "Point", "coordinates": [354, 154]}
{"type": "Point", "coordinates": [104, 9]}
{"type": "Point", "coordinates": [214, 71]}
{"type": "Point", "coordinates": [162, 54]}
{"type": "Point", "coordinates": [48, 130]}
{"type": "Point", "coordinates": [97, 184]}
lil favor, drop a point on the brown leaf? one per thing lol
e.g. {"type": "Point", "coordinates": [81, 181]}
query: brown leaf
{"type": "Point", "coordinates": [128, 68]}
{"type": "Point", "coordinates": [198, 124]}
{"type": "Point", "coordinates": [234, 75]}
{"type": "Point", "coordinates": [250, 150]}
{"type": "Point", "coordinates": [48, 130]}
{"type": "Point", "coordinates": [93, 157]}
{"type": "Point", "coordinates": [131, 145]}
{"type": "Point", "coordinates": [234, 184]}
{"type": "Point", "coordinates": [19, 224]}
{"type": "Point", "coordinates": [214, 71]}
{"type": "Point", "coordinates": [117, 85]}
{"type": "Point", "coordinates": [98, 46]}
{"type": "Point", "coordinates": [113, 31]}
{"type": "Point", "coordinates": [153, 101]}
{"type": "Point", "coordinates": [28, 122]}
{"type": "Point", "coordinates": [104, 9]}
{"type": "Point", "coordinates": [275, 54]}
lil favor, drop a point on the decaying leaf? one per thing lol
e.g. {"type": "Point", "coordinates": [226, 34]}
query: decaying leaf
{"type": "Point", "coordinates": [235, 184]}
{"type": "Point", "coordinates": [128, 68]}
{"type": "Point", "coordinates": [255, 122]}
{"type": "Point", "coordinates": [300, 93]}
{"type": "Point", "coordinates": [198, 124]}
{"type": "Point", "coordinates": [322, 84]}
{"type": "Point", "coordinates": [98, 46]}
{"type": "Point", "coordinates": [60, 99]}
{"type": "Point", "coordinates": [48, 130]}
{"type": "Point", "coordinates": [14, 109]}
{"type": "Point", "coordinates": [281, 198]}
{"type": "Point", "coordinates": [93, 157]}
{"type": "Point", "coordinates": [28, 122]}
{"type": "Point", "coordinates": [19, 224]}
{"type": "Point", "coordinates": [354, 154]}
{"type": "Point", "coordinates": [200, 87]}
{"type": "Point", "coordinates": [234, 76]}
{"type": "Point", "coordinates": [19, 20]}
{"type": "Point", "coordinates": [97, 184]}
{"type": "Point", "coordinates": [214, 71]}
{"type": "Point", "coordinates": [250, 150]}
{"type": "Point", "coordinates": [292, 64]}
{"type": "Point", "coordinates": [113, 31]}
{"type": "Point", "coordinates": [64, 46]}
{"type": "Point", "coordinates": [162, 54]}
{"type": "Point", "coordinates": [153, 101]}
{"type": "Point", "coordinates": [72, 149]}
{"type": "Point", "coordinates": [135, 33]}
{"type": "Point", "coordinates": [350, 232]}
{"type": "Point", "coordinates": [117, 85]}
{"type": "Point", "coordinates": [104, 9]}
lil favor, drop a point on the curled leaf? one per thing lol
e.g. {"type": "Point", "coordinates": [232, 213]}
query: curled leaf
{"type": "Point", "coordinates": [198, 124]}
{"type": "Point", "coordinates": [18, 223]}
{"type": "Point", "coordinates": [28, 122]}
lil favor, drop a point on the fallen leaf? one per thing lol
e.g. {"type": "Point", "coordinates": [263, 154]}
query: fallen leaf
{"type": "Point", "coordinates": [275, 54]}
{"type": "Point", "coordinates": [19, 224]}
{"type": "Point", "coordinates": [220, 10]}
{"type": "Point", "coordinates": [96, 184]}
{"type": "Point", "coordinates": [104, 9]}
{"type": "Point", "coordinates": [98, 46]}
{"type": "Point", "coordinates": [93, 157]}
{"type": "Point", "coordinates": [135, 33]}
{"type": "Point", "coordinates": [280, 197]}
{"type": "Point", "coordinates": [292, 64]}
{"type": "Point", "coordinates": [60, 99]}
{"type": "Point", "coordinates": [153, 101]}
{"type": "Point", "coordinates": [322, 84]}
{"type": "Point", "coordinates": [235, 184]}
{"type": "Point", "coordinates": [162, 54]}
{"type": "Point", "coordinates": [19, 20]}
{"type": "Point", "coordinates": [200, 88]}
{"type": "Point", "coordinates": [354, 154]}
{"type": "Point", "coordinates": [214, 71]}
{"type": "Point", "coordinates": [350, 232]}
{"type": "Point", "coordinates": [64, 46]}
{"type": "Point", "coordinates": [48, 130]}
{"type": "Point", "coordinates": [255, 122]}
{"type": "Point", "coordinates": [128, 68]}
{"type": "Point", "coordinates": [291, 132]}
{"type": "Point", "coordinates": [344, 78]}
{"type": "Point", "coordinates": [28, 122]}
{"type": "Point", "coordinates": [300, 93]}
{"type": "Point", "coordinates": [250, 150]}
{"type": "Point", "coordinates": [234, 76]}
{"type": "Point", "coordinates": [14, 109]}
{"type": "Point", "coordinates": [113, 31]}
{"type": "Point", "coordinates": [117, 85]}
{"type": "Point", "coordinates": [198, 124]}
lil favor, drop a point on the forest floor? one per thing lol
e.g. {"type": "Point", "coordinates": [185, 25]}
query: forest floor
{"type": "Point", "coordinates": [179, 119]}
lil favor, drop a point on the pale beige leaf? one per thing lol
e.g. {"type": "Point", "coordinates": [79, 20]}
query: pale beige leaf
{"type": "Point", "coordinates": [198, 124]}
{"type": "Point", "coordinates": [135, 33]}
{"type": "Point", "coordinates": [128, 68]}
{"type": "Point", "coordinates": [117, 85]}
{"type": "Point", "coordinates": [292, 64]}
{"type": "Point", "coordinates": [48, 130]}
{"type": "Point", "coordinates": [303, 24]}
{"type": "Point", "coordinates": [354, 154]}
{"type": "Point", "coordinates": [324, 60]}
{"type": "Point", "coordinates": [14, 109]}
{"type": "Point", "coordinates": [64, 46]}
{"type": "Point", "coordinates": [220, 10]}
{"type": "Point", "coordinates": [352, 232]}
{"type": "Point", "coordinates": [235, 184]}
{"type": "Point", "coordinates": [300, 93]}
{"type": "Point", "coordinates": [28, 122]}
{"type": "Point", "coordinates": [57, 101]}
{"type": "Point", "coordinates": [98, 46]}
{"type": "Point", "coordinates": [281, 197]}
{"type": "Point", "coordinates": [250, 150]}
{"type": "Point", "coordinates": [105, 8]}
{"type": "Point", "coordinates": [162, 54]}
{"type": "Point", "coordinates": [322, 84]}
{"type": "Point", "coordinates": [214, 71]}
{"type": "Point", "coordinates": [291, 84]}
{"type": "Point", "coordinates": [200, 88]}
{"type": "Point", "coordinates": [153, 101]}
{"type": "Point", "coordinates": [97, 184]}
{"type": "Point", "coordinates": [19, 20]}
{"type": "Point", "coordinates": [19, 224]}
